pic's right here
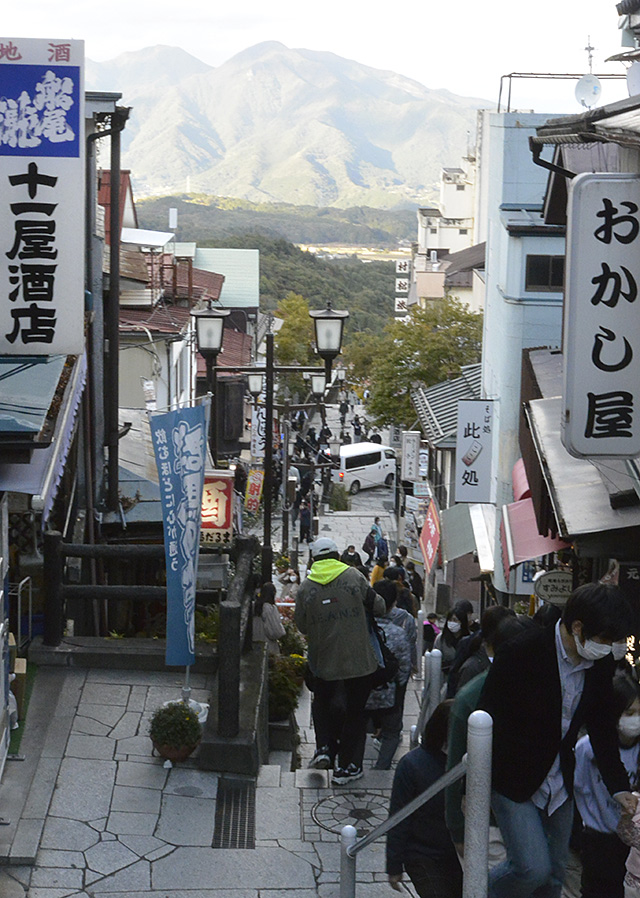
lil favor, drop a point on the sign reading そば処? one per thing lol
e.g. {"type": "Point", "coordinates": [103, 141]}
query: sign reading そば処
{"type": "Point", "coordinates": [601, 344]}
{"type": "Point", "coordinates": [42, 182]}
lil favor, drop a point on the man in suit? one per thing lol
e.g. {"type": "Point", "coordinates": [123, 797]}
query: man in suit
{"type": "Point", "coordinates": [543, 686]}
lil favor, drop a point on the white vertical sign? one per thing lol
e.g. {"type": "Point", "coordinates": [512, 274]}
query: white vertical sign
{"type": "Point", "coordinates": [258, 432]}
{"type": "Point", "coordinates": [474, 480]}
{"type": "Point", "coordinates": [410, 467]}
{"type": "Point", "coordinates": [42, 180]}
{"type": "Point", "coordinates": [601, 326]}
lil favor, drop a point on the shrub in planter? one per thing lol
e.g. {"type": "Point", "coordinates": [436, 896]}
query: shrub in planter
{"type": "Point", "coordinates": [293, 642]}
{"type": "Point", "coordinates": [175, 731]}
{"type": "Point", "coordinates": [284, 687]}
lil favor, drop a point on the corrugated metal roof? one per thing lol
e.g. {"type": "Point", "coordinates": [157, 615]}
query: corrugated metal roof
{"type": "Point", "coordinates": [241, 270]}
{"type": "Point", "coordinates": [437, 406]}
{"type": "Point", "coordinates": [162, 319]}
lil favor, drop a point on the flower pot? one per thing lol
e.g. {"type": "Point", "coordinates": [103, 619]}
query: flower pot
{"type": "Point", "coordinates": [175, 753]}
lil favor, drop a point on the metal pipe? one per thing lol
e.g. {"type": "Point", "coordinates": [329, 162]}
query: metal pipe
{"type": "Point", "coordinates": [477, 805]}
{"type": "Point", "coordinates": [267, 551]}
{"type": "Point", "coordinates": [112, 316]}
{"type": "Point", "coordinates": [348, 836]}
{"type": "Point", "coordinates": [420, 643]}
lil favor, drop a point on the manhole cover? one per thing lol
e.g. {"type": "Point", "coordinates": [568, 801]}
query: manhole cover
{"type": "Point", "coordinates": [364, 810]}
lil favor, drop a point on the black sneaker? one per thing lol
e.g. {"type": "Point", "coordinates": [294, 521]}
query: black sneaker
{"type": "Point", "coordinates": [321, 759]}
{"type": "Point", "coordinates": [342, 776]}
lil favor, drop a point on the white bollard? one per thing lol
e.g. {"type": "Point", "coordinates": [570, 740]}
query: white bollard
{"type": "Point", "coordinates": [477, 805]}
{"type": "Point", "coordinates": [420, 642]}
{"type": "Point", "coordinates": [435, 684]}
{"type": "Point", "coordinates": [348, 837]}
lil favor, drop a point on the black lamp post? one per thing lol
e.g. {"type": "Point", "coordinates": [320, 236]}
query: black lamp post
{"type": "Point", "coordinates": [329, 325]}
{"type": "Point", "coordinates": [209, 326]}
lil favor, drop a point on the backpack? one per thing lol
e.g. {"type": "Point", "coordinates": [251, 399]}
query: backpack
{"type": "Point", "coordinates": [369, 544]}
{"type": "Point", "coordinates": [388, 664]}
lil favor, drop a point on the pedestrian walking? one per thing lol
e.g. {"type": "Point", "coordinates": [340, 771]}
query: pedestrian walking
{"type": "Point", "coordinates": [331, 611]}
{"type": "Point", "coordinates": [305, 522]}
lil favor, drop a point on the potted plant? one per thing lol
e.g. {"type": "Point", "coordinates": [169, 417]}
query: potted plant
{"type": "Point", "coordinates": [284, 687]}
{"type": "Point", "coordinates": [175, 731]}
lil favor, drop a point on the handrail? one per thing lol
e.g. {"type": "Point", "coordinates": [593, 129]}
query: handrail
{"type": "Point", "coordinates": [447, 779]}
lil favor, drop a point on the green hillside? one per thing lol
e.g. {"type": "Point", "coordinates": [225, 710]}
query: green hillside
{"type": "Point", "coordinates": [202, 218]}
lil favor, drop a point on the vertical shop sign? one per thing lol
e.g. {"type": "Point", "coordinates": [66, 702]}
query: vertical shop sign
{"type": "Point", "coordinates": [601, 344]}
{"type": "Point", "coordinates": [474, 478]}
{"type": "Point", "coordinates": [42, 182]}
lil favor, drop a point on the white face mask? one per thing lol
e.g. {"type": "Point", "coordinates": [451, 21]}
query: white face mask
{"type": "Point", "coordinates": [629, 726]}
{"type": "Point", "coordinates": [591, 651]}
{"type": "Point", "coordinates": [619, 650]}
{"type": "Point", "coordinates": [453, 626]}
{"type": "Point", "coordinates": [292, 579]}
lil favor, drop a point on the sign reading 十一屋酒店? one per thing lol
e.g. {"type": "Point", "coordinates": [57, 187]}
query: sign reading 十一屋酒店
{"type": "Point", "coordinates": [601, 325]}
{"type": "Point", "coordinates": [42, 183]}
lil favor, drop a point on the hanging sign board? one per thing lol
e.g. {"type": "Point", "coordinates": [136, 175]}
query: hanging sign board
{"type": "Point", "coordinates": [42, 178]}
{"type": "Point", "coordinates": [601, 345]}
{"type": "Point", "coordinates": [474, 480]}
{"type": "Point", "coordinates": [410, 468]}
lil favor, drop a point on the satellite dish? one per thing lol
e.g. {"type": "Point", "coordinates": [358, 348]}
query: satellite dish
{"type": "Point", "coordinates": [588, 90]}
{"type": "Point", "coordinates": [633, 79]}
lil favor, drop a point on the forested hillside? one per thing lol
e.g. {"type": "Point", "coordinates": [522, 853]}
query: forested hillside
{"type": "Point", "coordinates": [203, 218]}
{"type": "Point", "coordinates": [366, 289]}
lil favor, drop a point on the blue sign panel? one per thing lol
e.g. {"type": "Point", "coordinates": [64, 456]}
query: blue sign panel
{"type": "Point", "coordinates": [179, 442]}
{"type": "Point", "coordinates": [40, 110]}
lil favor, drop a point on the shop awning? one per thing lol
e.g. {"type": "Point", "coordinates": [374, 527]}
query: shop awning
{"type": "Point", "coordinates": [469, 528]}
{"type": "Point", "coordinates": [41, 476]}
{"type": "Point", "coordinates": [520, 537]}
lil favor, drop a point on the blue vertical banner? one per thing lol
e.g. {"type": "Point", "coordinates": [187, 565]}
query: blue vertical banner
{"type": "Point", "coordinates": [180, 445]}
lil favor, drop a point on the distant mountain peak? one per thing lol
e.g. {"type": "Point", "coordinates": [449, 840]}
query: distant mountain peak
{"type": "Point", "coordinates": [283, 125]}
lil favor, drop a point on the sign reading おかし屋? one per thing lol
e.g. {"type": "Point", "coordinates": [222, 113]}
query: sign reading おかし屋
{"type": "Point", "coordinates": [601, 324]}
{"type": "Point", "coordinates": [42, 180]}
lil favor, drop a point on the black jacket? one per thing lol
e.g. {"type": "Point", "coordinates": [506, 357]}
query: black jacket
{"type": "Point", "coordinates": [523, 695]}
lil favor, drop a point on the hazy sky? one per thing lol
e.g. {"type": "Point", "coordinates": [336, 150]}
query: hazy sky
{"type": "Point", "coordinates": [465, 46]}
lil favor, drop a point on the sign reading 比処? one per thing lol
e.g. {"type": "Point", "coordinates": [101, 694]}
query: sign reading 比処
{"type": "Point", "coordinates": [601, 329]}
{"type": "Point", "coordinates": [42, 181]}
{"type": "Point", "coordinates": [474, 477]}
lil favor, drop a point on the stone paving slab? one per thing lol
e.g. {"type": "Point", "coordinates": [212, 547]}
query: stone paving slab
{"type": "Point", "coordinates": [234, 869]}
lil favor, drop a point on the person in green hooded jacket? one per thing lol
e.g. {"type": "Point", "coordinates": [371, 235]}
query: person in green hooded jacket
{"type": "Point", "coordinates": [331, 611]}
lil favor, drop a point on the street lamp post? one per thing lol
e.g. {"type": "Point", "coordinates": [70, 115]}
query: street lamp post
{"type": "Point", "coordinates": [209, 325]}
{"type": "Point", "coordinates": [329, 325]}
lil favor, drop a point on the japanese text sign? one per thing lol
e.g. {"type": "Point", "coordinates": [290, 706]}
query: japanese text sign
{"type": "Point", "coordinates": [474, 477]}
{"type": "Point", "coordinates": [601, 343]}
{"type": "Point", "coordinates": [179, 443]}
{"type": "Point", "coordinates": [217, 509]}
{"type": "Point", "coordinates": [42, 178]}
{"type": "Point", "coordinates": [410, 469]}
{"type": "Point", "coordinates": [253, 492]}
{"type": "Point", "coordinates": [430, 537]}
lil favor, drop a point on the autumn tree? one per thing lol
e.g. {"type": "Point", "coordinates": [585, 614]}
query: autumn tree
{"type": "Point", "coordinates": [429, 348]}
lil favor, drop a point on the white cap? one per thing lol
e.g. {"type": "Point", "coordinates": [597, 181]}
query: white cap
{"type": "Point", "coordinates": [323, 546]}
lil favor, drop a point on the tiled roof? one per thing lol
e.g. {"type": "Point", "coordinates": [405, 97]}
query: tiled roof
{"type": "Point", "coordinates": [236, 350]}
{"type": "Point", "coordinates": [161, 319]}
{"type": "Point", "coordinates": [460, 266]}
{"type": "Point", "coordinates": [437, 406]}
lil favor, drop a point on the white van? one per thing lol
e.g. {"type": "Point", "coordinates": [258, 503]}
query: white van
{"type": "Point", "coordinates": [365, 464]}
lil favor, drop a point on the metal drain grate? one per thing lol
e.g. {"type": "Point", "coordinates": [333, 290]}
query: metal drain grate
{"type": "Point", "coordinates": [235, 825]}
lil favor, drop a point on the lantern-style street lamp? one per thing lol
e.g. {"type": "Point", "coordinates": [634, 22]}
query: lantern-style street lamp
{"type": "Point", "coordinates": [209, 327]}
{"type": "Point", "coordinates": [329, 325]}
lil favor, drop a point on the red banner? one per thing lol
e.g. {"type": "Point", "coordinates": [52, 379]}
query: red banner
{"type": "Point", "coordinates": [254, 490]}
{"type": "Point", "coordinates": [430, 537]}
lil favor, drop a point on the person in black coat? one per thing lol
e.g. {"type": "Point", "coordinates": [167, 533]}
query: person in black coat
{"type": "Point", "coordinates": [421, 844]}
{"type": "Point", "coordinates": [542, 687]}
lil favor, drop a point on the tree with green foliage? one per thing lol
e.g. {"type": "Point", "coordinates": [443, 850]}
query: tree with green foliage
{"type": "Point", "coordinates": [294, 340]}
{"type": "Point", "coordinates": [429, 348]}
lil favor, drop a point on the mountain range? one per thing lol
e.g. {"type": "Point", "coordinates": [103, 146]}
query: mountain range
{"type": "Point", "coordinates": [274, 124]}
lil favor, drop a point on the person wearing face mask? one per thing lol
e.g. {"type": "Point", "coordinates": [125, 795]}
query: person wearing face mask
{"type": "Point", "coordinates": [290, 584]}
{"type": "Point", "coordinates": [542, 687]}
{"type": "Point", "coordinates": [455, 628]}
{"type": "Point", "coordinates": [602, 852]}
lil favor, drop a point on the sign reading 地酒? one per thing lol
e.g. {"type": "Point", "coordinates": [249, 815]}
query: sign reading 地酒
{"type": "Point", "coordinates": [601, 325]}
{"type": "Point", "coordinates": [42, 181]}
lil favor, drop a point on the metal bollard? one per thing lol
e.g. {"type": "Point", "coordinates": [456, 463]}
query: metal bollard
{"type": "Point", "coordinates": [477, 805]}
{"type": "Point", "coordinates": [348, 837]}
{"type": "Point", "coordinates": [435, 684]}
{"type": "Point", "coordinates": [420, 642]}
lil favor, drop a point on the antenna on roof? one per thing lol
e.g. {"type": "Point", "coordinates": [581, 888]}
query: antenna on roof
{"type": "Point", "coordinates": [589, 49]}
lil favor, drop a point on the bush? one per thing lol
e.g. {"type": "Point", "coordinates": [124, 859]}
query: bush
{"type": "Point", "coordinates": [284, 687]}
{"type": "Point", "coordinates": [339, 500]}
{"type": "Point", "coordinates": [293, 642]}
{"type": "Point", "coordinates": [207, 624]}
{"type": "Point", "coordinates": [175, 724]}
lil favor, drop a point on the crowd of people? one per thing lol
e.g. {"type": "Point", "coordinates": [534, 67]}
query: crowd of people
{"type": "Point", "coordinates": [564, 701]}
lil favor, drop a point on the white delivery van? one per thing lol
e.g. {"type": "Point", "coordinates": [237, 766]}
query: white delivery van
{"type": "Point", "coordinates": [365, 464]}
